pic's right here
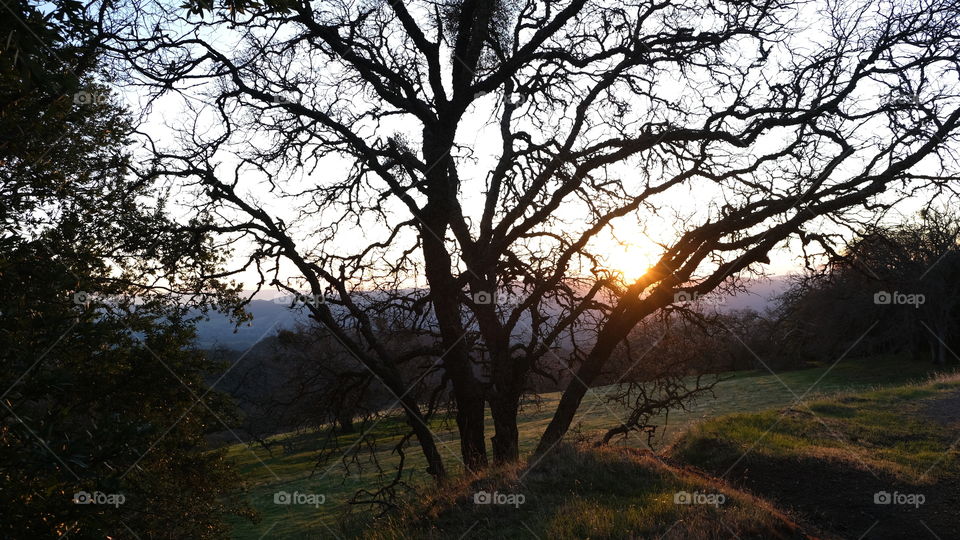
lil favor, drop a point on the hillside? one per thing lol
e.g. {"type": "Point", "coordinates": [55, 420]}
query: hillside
{"type": "Point", "coordinates": [270, 315]}
{"type": "Point", "coordinates": [583, 492]}
{"type": "Point", "coordinates": [880, 464]}
{"type": "Point", "coordinates": [292, 464]}
{"type": "Point", "coordinates": [217, 330]}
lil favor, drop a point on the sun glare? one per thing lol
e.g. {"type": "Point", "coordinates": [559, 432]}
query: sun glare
{"type": "Point", "coordinates": [630, 260]}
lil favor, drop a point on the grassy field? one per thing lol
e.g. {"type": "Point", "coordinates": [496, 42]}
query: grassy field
{"type": "Point", "coordinates": [881, 430]}
{"type": "Point", "coordinates": [292, 465]}
{"type": "Point", "coordinates": [584, 492]}
{"type": "Point", "coordinates": [832, 458]}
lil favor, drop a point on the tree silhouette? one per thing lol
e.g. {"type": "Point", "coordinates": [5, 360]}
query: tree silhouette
{"type": "Point", "coordinates": [891, 289]}
{"type": "Point", "coordinates": [452, 165]}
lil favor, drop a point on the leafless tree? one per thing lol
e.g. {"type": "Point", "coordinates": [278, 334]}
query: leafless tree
{"type": "Point", "coordinates": [685, 348]}
{"type": "Point", "coordinates": [337, 142]}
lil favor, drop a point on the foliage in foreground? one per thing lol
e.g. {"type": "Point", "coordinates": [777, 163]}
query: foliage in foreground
{"type": "Point", "coordinates": [105, 403]}
{"type": "Point", "coordinates": [100, 394]}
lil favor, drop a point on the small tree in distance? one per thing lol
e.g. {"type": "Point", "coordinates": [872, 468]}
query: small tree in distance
{"type": "Point", "coordinates": [331, 142]}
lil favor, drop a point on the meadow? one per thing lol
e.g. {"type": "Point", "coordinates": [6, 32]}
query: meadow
{"type": "Point", "coordinates": [290, 462]}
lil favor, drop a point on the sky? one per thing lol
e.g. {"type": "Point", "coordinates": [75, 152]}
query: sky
{"type": "Point", "coordinates": [631, 247]}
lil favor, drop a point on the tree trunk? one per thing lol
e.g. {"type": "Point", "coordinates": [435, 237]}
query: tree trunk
{"type": "Point", "coordinates": [390, 376]}
{"type": "Point", "coordinates": [470, 418]}
{"type": "Point", "coordinates": [567, 408]}
{"type": "Point", "coordinates": [509, 377]}
{"type": "Point", "coordinates": [936, 338]}
{"type": "Point", "coordinates": [445, 293]}
{"type": "Point", "coordinates": [467, 390]}
{"type": "Point", "coordinates": [941, 358]}
{"type": "Point", "coordinates": [607, 340]}
{"type": "Point", "coordinates": [424, 436]}
{"type": "Point", "coordinates": [345, 423]}
{"type": "Point", "coordinates": [392, 379]}
{"type": "Point", "coordinates": [506, 439]}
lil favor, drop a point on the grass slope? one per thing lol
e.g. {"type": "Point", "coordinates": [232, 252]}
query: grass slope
{"type": "Point", "coordinates": [583, 492]}
{"type": "Point", "coordinates": [832, 459]}
{"type": "Point", "coordinates": [292, 464]}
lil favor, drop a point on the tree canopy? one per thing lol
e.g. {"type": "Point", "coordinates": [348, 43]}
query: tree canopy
{"type": "Point", "coordinates": [452, 166]}
{"type": "Point", "coordinates": [100, 383]}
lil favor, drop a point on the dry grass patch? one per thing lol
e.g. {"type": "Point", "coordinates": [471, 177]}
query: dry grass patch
{"type": "Point", "coordinates": [582, 492]}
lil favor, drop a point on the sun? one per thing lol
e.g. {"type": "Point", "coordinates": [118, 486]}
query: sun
{"type": "Point", "coordinates": [631, 260]}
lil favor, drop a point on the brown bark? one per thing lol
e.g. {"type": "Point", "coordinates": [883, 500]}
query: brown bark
{"type": "Point", "coordinates": [609, 337]}
{"type": "Point", "coordinates": [467, 390]}
{"type": "Point", "coordinates": [509, 375]}
{"type": "Point", "coordinates": [425, 438]}
{"type": "Point", "coordinates": [573, 395]}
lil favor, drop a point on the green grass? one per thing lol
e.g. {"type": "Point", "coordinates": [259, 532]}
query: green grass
{"type": "Point", "coordinates": [297, 468]}
{"type": "Point", "coordinates": [829, 459]}
{"type": "Point", "coordinates": [882, 430]}
{"type": "Point", "coordinates": [583, 492]}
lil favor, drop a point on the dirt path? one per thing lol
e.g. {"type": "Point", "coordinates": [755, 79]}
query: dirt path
{"type": "Point", "coordinates": [945, 411]}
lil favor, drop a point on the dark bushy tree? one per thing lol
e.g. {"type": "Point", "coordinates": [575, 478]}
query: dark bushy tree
{"type": "Point", "coordinates": [100, 393]}
{"type": "Point", "coordinates": [893, 289]}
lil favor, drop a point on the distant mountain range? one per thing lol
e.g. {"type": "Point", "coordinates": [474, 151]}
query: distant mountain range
{"type": "Point", "coordinates": [270, 316]}
{"type": "Point", "coordinates": [759, 295]}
